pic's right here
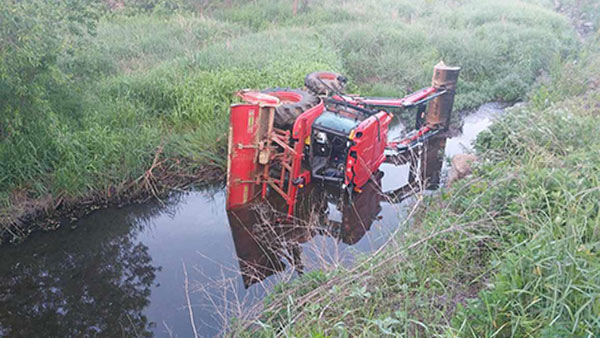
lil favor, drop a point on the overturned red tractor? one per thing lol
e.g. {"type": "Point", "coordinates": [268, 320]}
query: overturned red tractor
{"type": "Point", "coordinates": [283, 139]}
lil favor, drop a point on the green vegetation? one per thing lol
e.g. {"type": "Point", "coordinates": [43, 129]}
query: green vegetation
{"type": "Point", "coordinates": [92, 97]}
{"type": "Point", "coordinates": [512, 251]}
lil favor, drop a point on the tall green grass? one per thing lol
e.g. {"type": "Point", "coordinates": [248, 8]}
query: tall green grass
{"type": "Point", "coordinates": [125, 117]}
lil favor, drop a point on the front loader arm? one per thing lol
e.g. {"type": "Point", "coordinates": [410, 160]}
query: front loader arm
{"type": "Point", "coordinates": [419, 97]}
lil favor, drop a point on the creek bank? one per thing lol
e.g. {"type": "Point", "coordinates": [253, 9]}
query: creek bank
{"type": "Point", "coordinates": [51, 212]}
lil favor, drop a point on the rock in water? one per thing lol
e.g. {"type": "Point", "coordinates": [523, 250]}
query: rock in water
{"type": "Point", "coordinates": [461, 167]}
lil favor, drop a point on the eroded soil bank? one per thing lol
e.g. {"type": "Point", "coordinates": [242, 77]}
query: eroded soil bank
{"type": "Point", "coordinates": [27, 215]}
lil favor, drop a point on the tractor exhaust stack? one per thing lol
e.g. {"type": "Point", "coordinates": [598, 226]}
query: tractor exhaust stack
{"type": "Point", "coordinates": [439, 109]}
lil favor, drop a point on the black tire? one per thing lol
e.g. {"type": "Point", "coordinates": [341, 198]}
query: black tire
{"type": "Point", "coordinates": [287, 112]}
{"type": "Point", "coordinates": [324, 83]}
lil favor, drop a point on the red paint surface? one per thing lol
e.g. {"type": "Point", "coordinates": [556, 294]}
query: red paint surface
{"type": "Point", "coordinates": [392, 102]}
{"type": "Point", "coordinates": [243, 166]}
{"type": "Point", "coordinates": [258, 98]}
{"type": "Point", "coordinates": [286, 97]}
{"type": "Point", "coordinates": [370, 142]}
{"type": "Point", "coordinates": [302, 129]}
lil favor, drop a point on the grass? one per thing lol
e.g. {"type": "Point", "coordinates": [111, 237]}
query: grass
{"type": "Point", "coordinates": [160, 83]}
{"type": "Point", "coordinates": [512, 251]}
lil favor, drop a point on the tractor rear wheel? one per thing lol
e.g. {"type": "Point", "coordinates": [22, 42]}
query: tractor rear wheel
{"type": "Point", "coordinates": [293, 103]}
{"type": "Point", "coordinates": [323, 83]}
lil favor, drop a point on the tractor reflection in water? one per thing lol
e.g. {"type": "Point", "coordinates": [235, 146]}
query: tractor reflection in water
{"type": "Point", "coordinates": [267, 241]}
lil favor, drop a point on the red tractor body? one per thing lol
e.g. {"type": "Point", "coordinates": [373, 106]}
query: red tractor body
{"type": "Point", "coordinates": [284, 139]}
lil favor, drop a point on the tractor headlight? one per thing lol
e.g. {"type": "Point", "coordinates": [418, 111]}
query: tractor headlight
{"type": "Point", "coordinates": [321, 137]}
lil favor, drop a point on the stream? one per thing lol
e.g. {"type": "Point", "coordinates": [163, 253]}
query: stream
{"type": "Point", "coordinates": [122, 272]}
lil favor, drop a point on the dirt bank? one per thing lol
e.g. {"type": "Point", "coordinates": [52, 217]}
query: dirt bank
{"type": "Point", "coordinates": [27, 215]}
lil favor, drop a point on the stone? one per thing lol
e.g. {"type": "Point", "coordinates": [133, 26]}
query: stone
{"type": "Point", "coordinates": [461, 167]}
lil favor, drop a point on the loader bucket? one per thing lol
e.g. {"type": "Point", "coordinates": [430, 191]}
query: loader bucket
{"type": "Point", "coordinates": [439, 109]}
{"type": "Point", "coordinates": [248, 125]}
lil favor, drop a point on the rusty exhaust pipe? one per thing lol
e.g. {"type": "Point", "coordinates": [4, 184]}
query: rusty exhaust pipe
{"type": "Point", "coordinates": [439, 110]}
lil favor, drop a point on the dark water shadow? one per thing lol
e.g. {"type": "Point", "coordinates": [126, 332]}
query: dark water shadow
{"type": "Point", "coordinates": [94, 281]}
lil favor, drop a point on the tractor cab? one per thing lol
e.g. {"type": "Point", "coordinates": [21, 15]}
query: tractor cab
{"type": "Point", "coordinates": [330, 142]}
{"type": "Point", "coordinates": [346, 145]}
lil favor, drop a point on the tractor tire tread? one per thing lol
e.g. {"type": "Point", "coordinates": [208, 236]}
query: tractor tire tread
{"type": "Point", "coordinates": [320, 83]}
{"type": "Point", "coordinates": [286, 114]}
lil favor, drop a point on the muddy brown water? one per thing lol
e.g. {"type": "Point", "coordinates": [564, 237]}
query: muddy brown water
{"type": "Point", "coordinates": [119, 272]}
